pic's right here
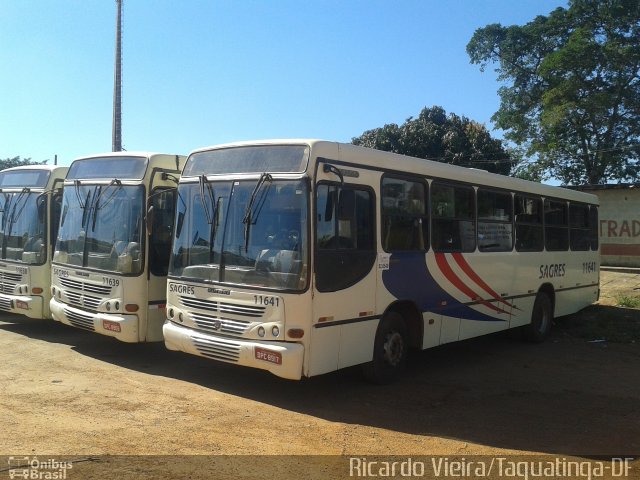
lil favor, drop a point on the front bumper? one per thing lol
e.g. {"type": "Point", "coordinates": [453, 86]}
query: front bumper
{"type": "Point", "coordinates": [32, 307]}
{"type": "Point", "coordinates": [122, 327]}
{"type": "Point", "coordinates": [283, 359]}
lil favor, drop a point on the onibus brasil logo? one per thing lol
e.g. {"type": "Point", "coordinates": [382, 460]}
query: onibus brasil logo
{"type": "Point", "coordinates": [33, 468]}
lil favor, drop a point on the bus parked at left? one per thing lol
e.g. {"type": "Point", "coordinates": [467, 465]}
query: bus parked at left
{"type": "Point", "coordinates": [30, 199]}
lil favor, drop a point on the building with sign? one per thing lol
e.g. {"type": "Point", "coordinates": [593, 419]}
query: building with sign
{"type": "Point", "coordinates": [619, 223]}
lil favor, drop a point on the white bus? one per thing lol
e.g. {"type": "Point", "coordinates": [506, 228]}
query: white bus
{"type": "Point", "coordinates": [29, 210]}
{"type": "Point", "coordinates": [303, 257]}
{"type": "Point", "coordinates": [114, 242]}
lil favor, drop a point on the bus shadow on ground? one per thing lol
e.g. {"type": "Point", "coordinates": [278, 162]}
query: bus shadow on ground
{"type": "Point", "coordinates": [567, 396]}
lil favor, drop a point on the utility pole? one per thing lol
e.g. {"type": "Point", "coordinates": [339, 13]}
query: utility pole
{"type": "Point", "coordinates": [116, 139]}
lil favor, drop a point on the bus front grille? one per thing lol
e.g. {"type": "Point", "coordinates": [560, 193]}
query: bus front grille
{"type": "Point", "coordinates": [224, 307]}
{"type": "Point", "coordinates": [8, 288]}
{"type": "Point", "coordinates": [86, 301]}
{"type": "Point", "coordinates": [210, 323]}
{"type": "Point", "coordinates": [13, 277]}
{"type": "Point", "coordinates": [218, 349]}
{"type": "Point", "coordinates": [80, 320]}
{"type": "Point", "coordinates": [5, 304]}
{"type": "Point", "coordinates": [85, 286]}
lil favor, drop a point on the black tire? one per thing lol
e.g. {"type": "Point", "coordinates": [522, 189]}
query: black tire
{"type": "Point", "coordinates": [541, 319]}
{"type": "Point", "coordinates": [390, 350]}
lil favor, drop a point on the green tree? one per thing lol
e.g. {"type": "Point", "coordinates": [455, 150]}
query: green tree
{"type": "Point", "coordinates": [434, 135]}
{"type": "Point", "coordinates": [570, 91]}
{"type": "Point", "coordinates": [17, 162]}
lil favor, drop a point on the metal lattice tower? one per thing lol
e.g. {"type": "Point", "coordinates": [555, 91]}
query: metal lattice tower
{"type": "Point", "coordinates": [116, 142]}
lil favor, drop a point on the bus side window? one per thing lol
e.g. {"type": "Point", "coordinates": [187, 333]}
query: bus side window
{"type": "Point", "coordinates": [345, 245]}
{"type": "Point", "coordinates": [453, 213]}
{"type": "Point", "coordinates": [556, 226]}
{"type": "Point", "coordinates": [579, 232]}
{"type": "Point", "coordinates": [529, 235]}
{"type": "Point", "coordinates": [56, 208]}
{"type": "Point", "coordinates": [404, 215]}
{"type": "Point", "coordinates": [163, 202]}
{"type": "Point", "coordinates": [495, 227]}
{"type": "Point", "coordinates": [593, 227]}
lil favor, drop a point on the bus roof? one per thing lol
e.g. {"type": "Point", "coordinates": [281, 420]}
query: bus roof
{"type": "Point", "coordinates": [393, 162]}
{"type": "Point", "coordinates": [144, 154]}
{"type": "Point", "coordinates": [51, 168]}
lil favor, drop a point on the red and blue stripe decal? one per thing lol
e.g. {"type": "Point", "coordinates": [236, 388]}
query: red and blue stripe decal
{"type": "Point", "coordinates": [409, 278]}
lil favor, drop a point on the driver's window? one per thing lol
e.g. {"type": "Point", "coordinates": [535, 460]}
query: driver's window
{"type": "Point", "coordinates": [345, 235]}
{"type": "Point", "coordinates": [163, 202]}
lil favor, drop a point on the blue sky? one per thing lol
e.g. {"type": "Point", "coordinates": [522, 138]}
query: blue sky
{"type": "Point", "coordinates": [203, 72]}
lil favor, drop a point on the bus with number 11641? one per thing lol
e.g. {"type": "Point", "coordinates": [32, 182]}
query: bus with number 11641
{"type": "Point", "coordinates": [301, 257]}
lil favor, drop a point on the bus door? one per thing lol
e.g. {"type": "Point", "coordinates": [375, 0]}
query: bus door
{"type": "Point", "coordinates": [344, 282]}
{"type": "Point", "coordinates": [160, 221]}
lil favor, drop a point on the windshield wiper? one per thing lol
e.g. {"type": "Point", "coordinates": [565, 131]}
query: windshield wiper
{"type": "Point", "coordinates": [96, 203]}
{"type": "Point", "coordinates": [249, 217]}
{"type": "Point", "coordinates": [14, 215]}
{"type": "Point", "coordinates": [202, 180]}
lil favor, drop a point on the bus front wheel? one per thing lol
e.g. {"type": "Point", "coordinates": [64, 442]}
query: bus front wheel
{"type": "Point", "coordinates": [541, 319]}
{"type": "Point", "coordinates": [389, 350]}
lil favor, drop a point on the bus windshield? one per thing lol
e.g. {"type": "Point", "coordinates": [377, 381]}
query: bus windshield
{"type": "Point", "coordinates": [101, 226]}
{"type": "Point", "coordinates": [244, 232]}
{"type": "Point", "coordinates": [23, 227]}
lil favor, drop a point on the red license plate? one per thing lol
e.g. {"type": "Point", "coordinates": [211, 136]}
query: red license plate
{"type": "Point", "coordinates": [112, 326]}
{"type": "Point", "coordinates": [268, 355]}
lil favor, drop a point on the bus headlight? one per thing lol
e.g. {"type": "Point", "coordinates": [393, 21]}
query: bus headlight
{"type": "Point", "coordinates": [108, 305]}
{"type": "Point", "coordinates": [261, 332]}
{"type": "Point", "coordinates": [275, 331]}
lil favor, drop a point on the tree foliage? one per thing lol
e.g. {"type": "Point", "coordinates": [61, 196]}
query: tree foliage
{"type": "Point", "coordinates": [434, 135]}
{"type": "Point", "coordinates": [17, 162]}
{"type": "Point", "coordinates": [571, 88]}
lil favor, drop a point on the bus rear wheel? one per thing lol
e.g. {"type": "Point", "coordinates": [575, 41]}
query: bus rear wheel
{"type": "Point", "coordinates": [389, 350]}
{"type": "Point", "coordinates": [541, 319]}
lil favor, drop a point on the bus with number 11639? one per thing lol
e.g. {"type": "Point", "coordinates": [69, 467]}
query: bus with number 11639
{"type": "Point", "coordinates": [301, 257]}
{"type": "Point", "coordinates": [114, 241]}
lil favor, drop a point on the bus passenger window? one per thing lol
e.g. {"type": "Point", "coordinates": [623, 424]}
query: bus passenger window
{"type": "Point", "coordinates": [593, 227]}
{"type": "Point", "coordinates": [529, 235]}
{"type": "Point", "coordinates": [495, 230]}
{"type": "Point", "coordinates": [556, 231]}
{"type": "Point", "coordinates": [579, 227]}
{"type": "Point", "coordinates": [404, 215]}
{"type": "Point", "coordinates": [453, 213]}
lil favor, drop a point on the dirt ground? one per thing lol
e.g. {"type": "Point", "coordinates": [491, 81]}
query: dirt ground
{"type": "Point", "coordinates": [68, 392]}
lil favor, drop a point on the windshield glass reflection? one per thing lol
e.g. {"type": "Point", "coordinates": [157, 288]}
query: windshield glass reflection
{"type": "Point", "coordinates": [242, 232]}
{"type": "Point", "coordinates": [23, 227]}
{"type": "Point", "coordinates": [101, 227]}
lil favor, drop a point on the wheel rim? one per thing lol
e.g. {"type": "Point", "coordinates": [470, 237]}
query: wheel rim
{"type": "Point", "coordinates": [393, 349]}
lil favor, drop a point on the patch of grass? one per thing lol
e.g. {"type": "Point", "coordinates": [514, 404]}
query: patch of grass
{"type": "Point", "coordinates": [628, 301]}
{"type": "Point", "coordinates": [599, 322]}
